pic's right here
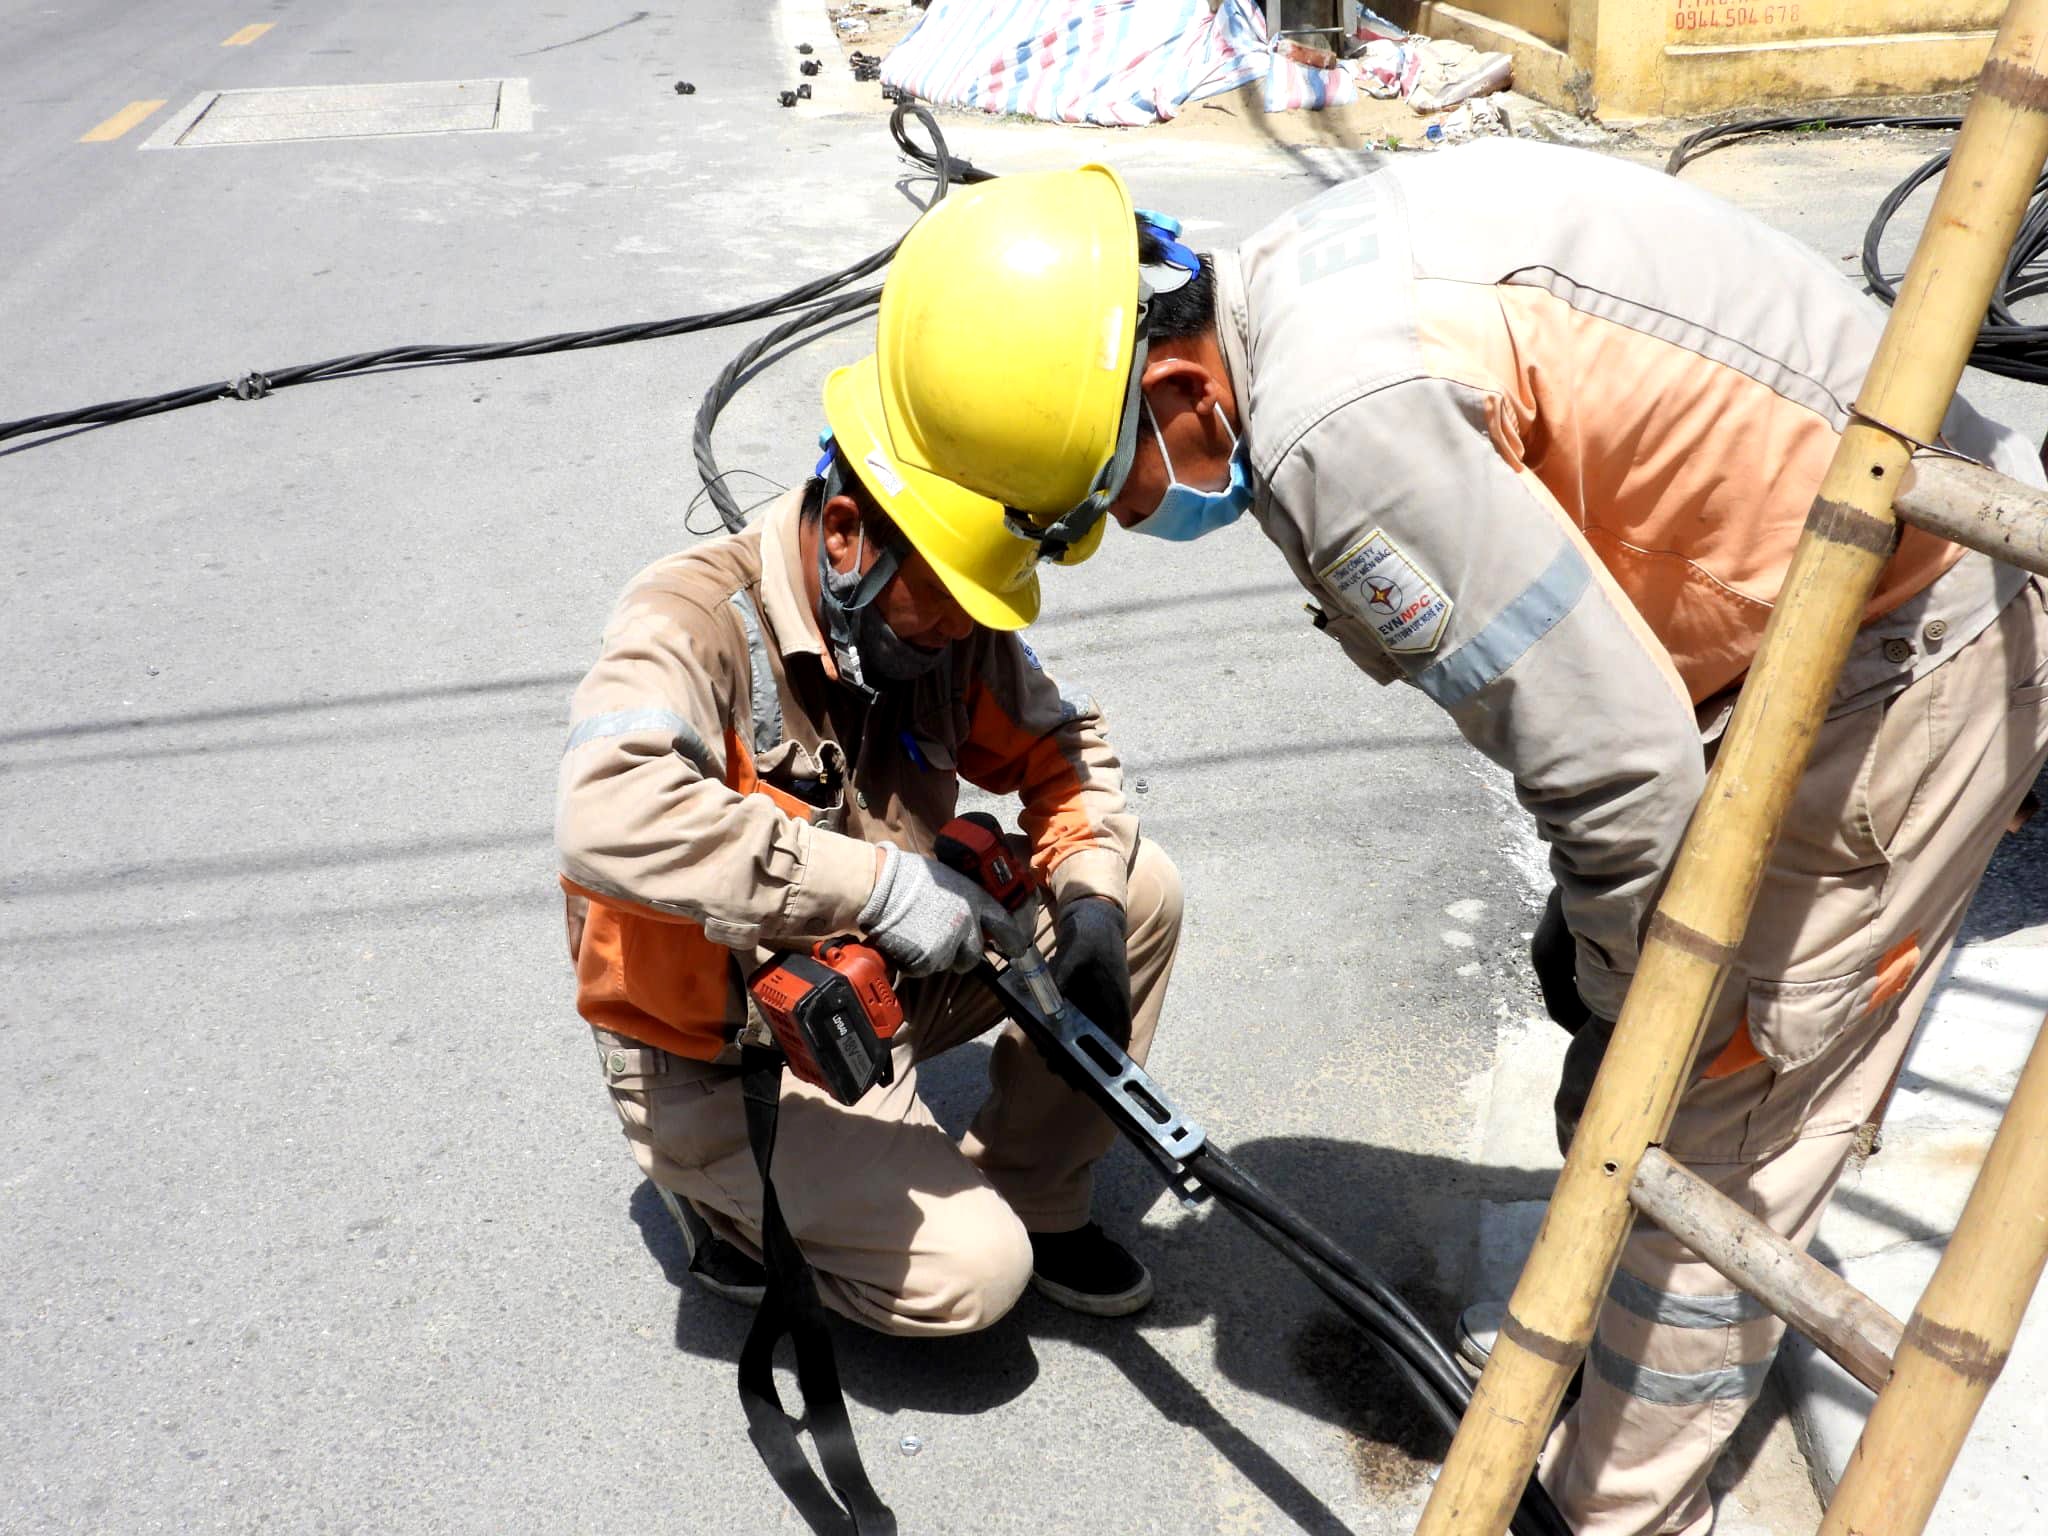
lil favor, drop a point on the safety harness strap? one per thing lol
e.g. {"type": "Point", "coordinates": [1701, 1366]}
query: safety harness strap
{"type": "Point", "coordinates": [850, 1507]}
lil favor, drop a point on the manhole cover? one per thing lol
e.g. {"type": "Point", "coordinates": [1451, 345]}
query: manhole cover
{"type": "Point", "coordinates": [348, 112]}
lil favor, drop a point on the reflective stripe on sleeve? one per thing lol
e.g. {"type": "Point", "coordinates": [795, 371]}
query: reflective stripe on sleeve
{"type": "Point", "coordinates": [1678, 1389]}
{"type": "Point", "coordinates": [631, 722]}
{"type": "Point", "coordinates": [767, 704]}
{"type": "Point", "coordinates": [1675, 1311]}
{"type": "Point", "coordinates": [1533, 613]}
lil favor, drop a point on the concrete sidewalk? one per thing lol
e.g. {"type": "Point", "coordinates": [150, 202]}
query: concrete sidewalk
{"type": "Point", "coordinates": [1892, 1215]}
{"type": "Point", "coordinates": [1884, 1231]}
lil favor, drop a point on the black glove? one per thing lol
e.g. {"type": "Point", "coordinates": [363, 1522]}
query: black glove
{"type": "Point", "coordinates": [1090, 966]}
{"type": "Point", "coordinates": [1555, 955]}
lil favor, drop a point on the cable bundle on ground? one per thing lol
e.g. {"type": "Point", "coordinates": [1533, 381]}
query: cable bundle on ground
{"type": "Point", "coordinates": [817, 304]}
{"type": "Point", "coordinates": [2005, 343]}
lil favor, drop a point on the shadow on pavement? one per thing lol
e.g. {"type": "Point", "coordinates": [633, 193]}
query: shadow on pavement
{"type": "Point", "coordinates": [2013, 896]}
{"type": "Point", "coordinates": [1276, 1337]}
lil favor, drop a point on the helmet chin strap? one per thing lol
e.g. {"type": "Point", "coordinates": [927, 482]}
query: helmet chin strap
{"type": "Point", "coordinates": [1054, 539]}
{"type": "Point", "coordinates": [846, 598]}
{"type": "Point", "coordinates": [888, 558]}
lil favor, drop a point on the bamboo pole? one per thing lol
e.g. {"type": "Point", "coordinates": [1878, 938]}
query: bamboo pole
{"type": "Point", "coordinates": [1699, 923]}
{"type": "Point", "coordinates": [1854, 1331]}
{"type": "Point", "coordinates": [1960, 1333]}
{"type": "Point", "coordinates": [1977, 507]}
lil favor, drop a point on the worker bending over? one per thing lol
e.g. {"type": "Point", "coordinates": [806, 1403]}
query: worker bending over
{"type": "Point", "coordinates": [760, 759]}
{"type": "Point", "coordinates": [1538, 431]}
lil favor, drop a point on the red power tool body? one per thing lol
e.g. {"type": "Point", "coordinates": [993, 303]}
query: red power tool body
{"type": "Point", "coordinates": [975, 846]}
{"type": "Point", "coordinates": [831, 1011]}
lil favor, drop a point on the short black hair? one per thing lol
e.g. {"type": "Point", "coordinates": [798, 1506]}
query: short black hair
{"type": "Point", "coordinates": [1190, 309]}
{"type": "Point", "coordinates": [871, 513]}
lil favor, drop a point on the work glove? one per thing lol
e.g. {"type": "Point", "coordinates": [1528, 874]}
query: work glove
{"type": "Point", "coordinates": [926, 917]}
{"type": "Point", "coordinates": [1091, 964]}
{"type": "Point", "coordinates": [1554, 954]}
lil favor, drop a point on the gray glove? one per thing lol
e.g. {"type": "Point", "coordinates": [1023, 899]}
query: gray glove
{"type": "Point", "coordinates": [928, 918]}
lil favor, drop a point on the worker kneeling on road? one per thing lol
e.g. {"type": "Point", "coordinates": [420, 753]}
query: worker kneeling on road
{"type": "Point", "coordinates": [761, 759]}
{"type": "Point", "coordinates": [1539, 431]}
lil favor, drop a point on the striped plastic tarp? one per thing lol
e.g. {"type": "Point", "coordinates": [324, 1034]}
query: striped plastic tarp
{"type": "Point", "coordinates": [1118, 63]}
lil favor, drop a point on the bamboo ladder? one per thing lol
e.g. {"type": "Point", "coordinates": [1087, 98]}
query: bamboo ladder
{"type": "Point", "coordinates": [1933, 1372]}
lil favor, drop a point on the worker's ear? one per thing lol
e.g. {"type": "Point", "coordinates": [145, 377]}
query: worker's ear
{"type": "Point", "coordinates": [839, 527]}
{"type": "Point", "coordinates": [1181, 382]}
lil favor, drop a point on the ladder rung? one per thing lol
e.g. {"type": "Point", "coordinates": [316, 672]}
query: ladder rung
{"type": "Point", "coordinates": [1854, 1331]}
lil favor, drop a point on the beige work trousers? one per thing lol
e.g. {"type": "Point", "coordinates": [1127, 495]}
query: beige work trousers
{"type": "Point", "coordinates": [1886, 841]}
{"type": "Point", "coordinates": [909, 1232]}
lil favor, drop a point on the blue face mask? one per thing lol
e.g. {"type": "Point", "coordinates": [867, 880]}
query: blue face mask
{"type": "Point", "coordinates": [1187, 513]}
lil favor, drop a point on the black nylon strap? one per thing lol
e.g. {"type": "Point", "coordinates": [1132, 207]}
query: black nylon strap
{"type": "Point", "coordinates": [850, 1506]}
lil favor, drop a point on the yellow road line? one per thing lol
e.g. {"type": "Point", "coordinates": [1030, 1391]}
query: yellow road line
{"type": "Point", "coordinates": [248, 34]}
{"type": "Point", "coordinates": [121, 122]}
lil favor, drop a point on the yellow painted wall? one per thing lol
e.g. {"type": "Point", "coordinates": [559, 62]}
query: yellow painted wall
{"type": "Point", "coordinates": [1539, 18]}
{"type": "Point", "coordinates": [1778, 21]}
{"type": "Point", "coordinates": [1663, 58]}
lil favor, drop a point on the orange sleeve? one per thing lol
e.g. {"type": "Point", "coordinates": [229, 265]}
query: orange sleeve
{"type": "Point", "coordinates": [1028, 737]}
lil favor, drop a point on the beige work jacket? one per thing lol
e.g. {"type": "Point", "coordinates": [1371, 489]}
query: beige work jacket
{"type": "Point", "coordinates": [723, 792]}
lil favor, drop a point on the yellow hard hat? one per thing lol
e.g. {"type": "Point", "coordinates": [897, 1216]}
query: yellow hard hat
{"type": "Point", "coordinates": [1011, 342]}
{"type": "Point", "coordinates": [989, 569]}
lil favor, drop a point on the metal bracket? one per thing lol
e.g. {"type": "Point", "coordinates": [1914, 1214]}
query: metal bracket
{"type": "Point", "coordinates": [1079, 1049]}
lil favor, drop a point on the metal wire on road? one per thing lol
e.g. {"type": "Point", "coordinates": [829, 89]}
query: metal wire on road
{"type": "Point", "coordinates": [816, 305]}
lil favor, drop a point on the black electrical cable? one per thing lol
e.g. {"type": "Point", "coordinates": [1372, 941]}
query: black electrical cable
{"type": "Point", "coordinates": [736, 373]}
{"type": "Point", "coordinates": [1412, 1351]}
{"type": "Point", "coordinates": [1247, 1190]}
{"type": "Point", "coordinates": [819, 294]}
{"type": "Point", "coordinates": [1720, 135]}
{"type": "Point", "coordinates": [947, 172]}
{"type": "Point", "coordinates": [2005, 344]}
{"type": "Point", "coordinates": [1414, 1354]}
{"type": "Point", "coordinates": [254, 386]}
{"type": "Point", "coordinates": [1536, 1514]}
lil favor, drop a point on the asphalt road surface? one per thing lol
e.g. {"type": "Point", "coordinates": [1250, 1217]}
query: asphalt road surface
{"type": "Point", "coordinates": [315, 1216]}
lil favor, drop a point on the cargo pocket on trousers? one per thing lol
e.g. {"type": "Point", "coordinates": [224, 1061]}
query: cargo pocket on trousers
{"type": "Point", "coordinates": [1795, 1023]}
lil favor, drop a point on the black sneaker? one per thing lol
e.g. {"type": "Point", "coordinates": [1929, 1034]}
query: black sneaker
{"type": "Point", "coordinates": [718, 1266]}
{"type": "Point", "coordinates": [724, 1271]}
{"type": "Point", "coordinates": [1086, 1271]}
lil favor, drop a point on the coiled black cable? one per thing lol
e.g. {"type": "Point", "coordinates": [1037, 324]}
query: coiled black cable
{"type": "Point", "coordinates": [946, 173]}
{"type": "Point", "coordinates": [2005, 344]}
